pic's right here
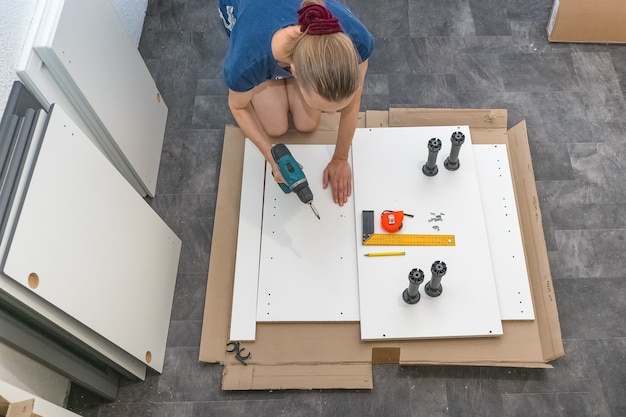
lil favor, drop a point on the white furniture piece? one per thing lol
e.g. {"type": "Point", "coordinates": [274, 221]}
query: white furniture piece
{"type": "Point", "coordinates": [486, 281]}
{"type": "Point", "coordinates": [88, 252]}
{"type": "Point", "coordinates": [503, 229]}
{"type": "Point", "coordinates": [388, 176]}
{"type": "Point", "coordinates": [293, 266]}
{"type": "Point", "coordinates": [78, 52]}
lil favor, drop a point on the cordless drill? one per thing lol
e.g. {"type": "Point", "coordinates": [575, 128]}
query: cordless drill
{"type": "Point", "coordinates": [293, 175]}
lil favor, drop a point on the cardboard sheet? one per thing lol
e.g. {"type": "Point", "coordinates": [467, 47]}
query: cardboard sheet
{"type": "Point", "coordinates": [296, 347]}
{"type": "Point", "coordinates": [599, 21]}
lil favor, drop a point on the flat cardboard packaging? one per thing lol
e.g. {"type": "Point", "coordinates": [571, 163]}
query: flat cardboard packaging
{"type": "Point", "coordinates": [600, 21]}
{"type": "Point", "coordinates": [332, 355]}
{"type": "Point", "coordinates": [17, 409]}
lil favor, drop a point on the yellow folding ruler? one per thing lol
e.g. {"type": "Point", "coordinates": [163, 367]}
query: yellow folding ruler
{"type": "Point", "coordinates": [398, 239]}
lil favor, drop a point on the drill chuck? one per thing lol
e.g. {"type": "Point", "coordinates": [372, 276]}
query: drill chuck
{"type": "Point", "coordinates": [303, 191]}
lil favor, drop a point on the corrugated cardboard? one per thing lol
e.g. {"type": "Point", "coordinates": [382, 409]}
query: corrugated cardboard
{"type": "Point", "coordinates": [332, 355]}
{"type": "Point", "coordinates": [599, 21]}
{"type": "Point", "coordinates": [17, 409]}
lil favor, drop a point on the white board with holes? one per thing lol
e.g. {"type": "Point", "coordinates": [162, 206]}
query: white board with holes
{"type": "Point", "coordinates": [307, 268]}
{"type": "Point", "coordinates": [503, 228]}
{"type": "Point", "coordinates": [89, 245]}
{"type": "Point", "coordinates": [487, 279]}
{"type": "Point", "coordinates": [90, 59]}
{"type": "Point", "coordinates": [388, 176]}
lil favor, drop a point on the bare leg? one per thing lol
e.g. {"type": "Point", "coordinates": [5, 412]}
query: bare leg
{"type": "Point", "coordinates": [272, 107]}
{"type": "Point", "coordinates": [305, 117]}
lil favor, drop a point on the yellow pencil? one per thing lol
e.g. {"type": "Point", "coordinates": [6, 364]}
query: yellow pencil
{"type": "Point", "coordinates": [386, 254]}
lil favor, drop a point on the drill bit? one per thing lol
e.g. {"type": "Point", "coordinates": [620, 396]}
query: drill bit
{"type": "Point", "coordinates": [314, 210]}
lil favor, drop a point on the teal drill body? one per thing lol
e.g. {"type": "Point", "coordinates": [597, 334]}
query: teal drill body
{"type": "Point", "coordinates": [293, 175]}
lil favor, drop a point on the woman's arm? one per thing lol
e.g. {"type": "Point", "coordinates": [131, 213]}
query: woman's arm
{"type": "Point", "coordinates": [240, 104]}
{"type": "Point", "coordinates": [338, 173]}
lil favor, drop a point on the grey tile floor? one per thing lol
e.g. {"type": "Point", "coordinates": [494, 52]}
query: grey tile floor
{"type": "Point", "coordinates": [446, 53]}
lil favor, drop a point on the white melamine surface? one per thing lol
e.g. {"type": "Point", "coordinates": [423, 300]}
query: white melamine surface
{"type": "Point", "coordinates": [42, 307]}
{"type": "Point", "coordinates": [388, 176]}
{"type": "Point", "coordinates": [40, 82]}
{"type": "Point", "coordinates": [243, 313]}
{"type": "Point", "coordinates": [307, 265]}
{"type": "Point", "coordinates": [90, 54]}
{"type": "Point", "coordinates": [487, 277]}
{"type": "Point", "coordinates": [100, 253]}
{"type": "Point", "coordinates": [505, 239]}
{"type": "Point", "coordinates": [34, 302]}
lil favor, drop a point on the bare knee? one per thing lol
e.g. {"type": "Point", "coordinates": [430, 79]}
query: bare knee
{"type": "Point", "coordinates": [276, 129]}
{"type": "Point", "coordinates": [306, 126]}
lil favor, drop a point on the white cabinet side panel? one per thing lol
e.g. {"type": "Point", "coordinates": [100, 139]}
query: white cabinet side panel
{"type": "Point", "coordinates": [308, 265]}
{"type": "Point", "coordinates": [89, 245]}
{"type": "Point", "coordinates": [505, 238]}
{"type": "Point", "coordinates": [42, 307]}
{"type": "Point", "coordinates": [92, 56]}
{"type": "Point", "coordinates": [388, 176]}
{"type": "Point", "coordinates": [243, 313]}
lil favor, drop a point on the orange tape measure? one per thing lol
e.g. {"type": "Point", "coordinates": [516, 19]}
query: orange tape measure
{"type": "Point", "coordinates": [391, 221]}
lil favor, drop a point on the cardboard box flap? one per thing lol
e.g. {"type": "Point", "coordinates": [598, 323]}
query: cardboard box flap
{"type": "Point", "coordinates": [219, 293]}
{"type": "Point", "coordinates": [518, 344]}
{"type": "Point", "coordinates": [537, 255]}
{"type": "Point", "coordinates": [298, 376]}
{"type": "Point", "coordinates": [476, 118]}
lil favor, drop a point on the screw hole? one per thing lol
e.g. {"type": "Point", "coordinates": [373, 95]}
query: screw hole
{"type": "Point", "coordinates": [33, 280]}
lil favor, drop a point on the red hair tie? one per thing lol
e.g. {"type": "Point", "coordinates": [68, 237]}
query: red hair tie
{"type": "Point", "coordinates": [317, 20]}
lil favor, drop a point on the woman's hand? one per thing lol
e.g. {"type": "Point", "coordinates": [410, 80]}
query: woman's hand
{"type": "Point", "coordinates": [339, 175]}
{"type": "Point", "coordinates": [278, 177]}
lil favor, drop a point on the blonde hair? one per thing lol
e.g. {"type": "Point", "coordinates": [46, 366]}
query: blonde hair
{"type": "Point", "coordinates": [327, 65]}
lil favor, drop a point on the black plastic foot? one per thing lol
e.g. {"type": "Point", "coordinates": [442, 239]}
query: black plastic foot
{"type": "Point", "coordinates": [451, 166]}
{"type": "Point", "coordinates": [432, 292]}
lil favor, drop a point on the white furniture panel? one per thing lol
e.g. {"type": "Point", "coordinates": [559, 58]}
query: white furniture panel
{"type": "Point", "coordinates": [388, 176]}
{"type": "Point", "coordinates": [477, 205]}
{"type": "Point", "coordinates": [90, 55]}
{"type": "Point", "coordinates": [41, 83]}
{"type": "Point", "coordinates": [89, 245]}
{"type": "Point", "coordinates": [307, 266]}
{"type": "Point", "coordinates": [42, 307]}
{"type": "Point", "coordinates": [243, 313]}
{"type": "Point", "coordinates": [505, 238]}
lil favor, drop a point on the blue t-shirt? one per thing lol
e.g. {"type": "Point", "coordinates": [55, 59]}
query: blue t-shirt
{"type": "Point", "coordinates": [251, 25]}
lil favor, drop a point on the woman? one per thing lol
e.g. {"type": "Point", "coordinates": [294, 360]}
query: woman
{"type": "Point", "coordinates": [300, 59]}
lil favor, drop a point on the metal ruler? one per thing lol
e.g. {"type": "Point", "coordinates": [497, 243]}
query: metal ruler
{"type": "Point", "coordinates": [398, 239]}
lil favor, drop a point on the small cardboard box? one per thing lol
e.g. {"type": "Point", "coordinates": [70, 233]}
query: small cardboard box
{"type": "Point", "coordinates": [600, 21]}
{"type": "Point", "coordinates": [332, 355]}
